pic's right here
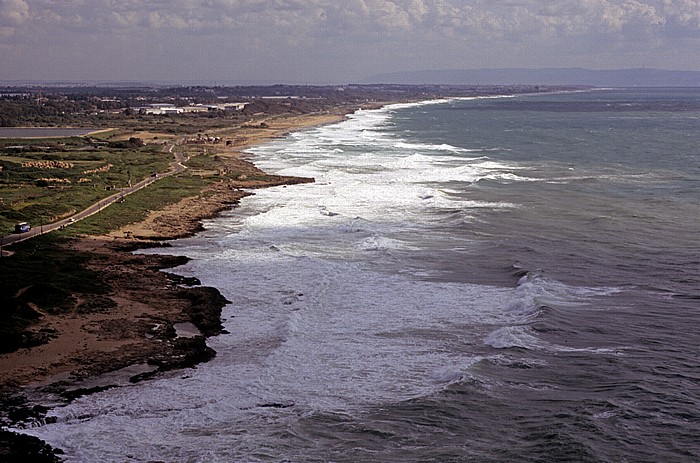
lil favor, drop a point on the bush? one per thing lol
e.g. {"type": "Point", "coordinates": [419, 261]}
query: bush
{"type": "Point", "coordinates": [132, 142]}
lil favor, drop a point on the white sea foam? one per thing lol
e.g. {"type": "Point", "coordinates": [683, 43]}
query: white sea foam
{"type": "Point", "coordinates": [431, 147]}
{"type": "Point", "coordinates": [532, 294]}
{"type": "Point", "coordinates": [522, 336]}
{"type": "Point", "coordinates": [513, 336]}
{"type": "Point", "coordinates": [305, 335]}
{"type": "Point", "coordinates": [418, 104]}
{"type": "Point", "coordinates": [322, 318]}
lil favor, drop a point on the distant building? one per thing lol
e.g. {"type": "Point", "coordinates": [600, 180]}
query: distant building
{"type": "Point", "coordinates": [160, 108]}
{"type": "Point", "coordinates": [234, 106]}
{"type": "Point", "coordinates": [195, 109]}
{"type": "Point", "coordinates": [169, 108]}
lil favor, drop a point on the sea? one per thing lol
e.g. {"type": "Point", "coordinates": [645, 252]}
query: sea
{"type": "Point", "coordinates": [502, 279]}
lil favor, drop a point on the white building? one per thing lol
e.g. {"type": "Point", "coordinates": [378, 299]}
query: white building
{"type": "Point", "coordinates": [169, 108]}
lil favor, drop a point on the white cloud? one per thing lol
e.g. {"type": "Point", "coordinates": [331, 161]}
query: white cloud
{"type": "Point", "coordinates": [475, 16]}
{"type": "Point", "coordinates": [13, 13]}
{"type": "Point", "coordinates": [370, 33]}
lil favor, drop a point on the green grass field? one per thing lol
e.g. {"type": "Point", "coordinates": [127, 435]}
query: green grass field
{"type": "Point", "coordinates": [44, 180]}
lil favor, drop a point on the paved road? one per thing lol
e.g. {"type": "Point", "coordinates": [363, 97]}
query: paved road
{"type": "Point", "coordinates": [176, 167]}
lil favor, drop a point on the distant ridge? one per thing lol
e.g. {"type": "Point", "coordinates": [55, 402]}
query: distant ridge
{"type": "Point", "coordinates": [641, 77]}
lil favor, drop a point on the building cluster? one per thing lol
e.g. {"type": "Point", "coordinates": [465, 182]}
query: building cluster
{"type": "Point", "coordinates": [202, 139]}
{"type": "Point", "coordinates": [169, 108]}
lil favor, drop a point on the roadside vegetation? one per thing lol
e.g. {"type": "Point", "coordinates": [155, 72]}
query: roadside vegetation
{"type": "Point", "coordinates": [135, 207]}
{"type": "Point", "coordinates": [43, 181]}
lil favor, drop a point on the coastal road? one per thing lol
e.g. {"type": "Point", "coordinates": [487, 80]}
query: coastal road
{"type": "Point", "coordinates": [176, 167]}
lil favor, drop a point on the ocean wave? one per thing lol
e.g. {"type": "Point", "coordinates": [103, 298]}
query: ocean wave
{"type": "Point", "coordinates": [513, 336]}
{"type": "Point", "coordinates": [378, 243]}
{"type": "Point", "coordinates": [523, 337]}
{"type": "Point", "coordinates": [433, 147]}
{"type": "Point", "coordinates": [533, 294]}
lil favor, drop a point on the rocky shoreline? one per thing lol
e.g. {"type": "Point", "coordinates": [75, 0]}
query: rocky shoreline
{"type": "Point", "coordinates": [149, 341]}
{"type": "Point", "coordinates": [135, 335]}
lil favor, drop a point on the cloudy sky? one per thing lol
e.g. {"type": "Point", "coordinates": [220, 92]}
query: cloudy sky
{"type": "Point", "coordinates": [335, 41]}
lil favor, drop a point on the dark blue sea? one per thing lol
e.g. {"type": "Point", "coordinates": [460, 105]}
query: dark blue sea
{"type": "Point", "coordinates": [511, 279]}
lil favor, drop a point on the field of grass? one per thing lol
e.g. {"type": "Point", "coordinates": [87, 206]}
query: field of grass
{"type": "Point", "coordinates": [136, 206]}
{"type": "Point", "coordinates": [44, 180]}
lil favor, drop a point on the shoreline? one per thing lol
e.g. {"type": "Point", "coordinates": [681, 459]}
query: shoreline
{"type": "Point", "coordinates": [121, 341]}
{"type": "Point", "coordinates": [179, 220]}
{"type": "Point", "coordinates": [138, 338]}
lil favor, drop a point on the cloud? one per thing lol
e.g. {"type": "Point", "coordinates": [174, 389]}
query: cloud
{"type": "Point", "coordinates": [302, 34]}
{"type": "Point", "coordinates": [496, 18]}
{"type": "Point", "coordinates": [12, 14]}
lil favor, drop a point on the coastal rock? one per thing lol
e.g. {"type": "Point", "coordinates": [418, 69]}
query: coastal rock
{"type": "Point", "coordinates": [204, 309]}
{"type": "Point", "coordinates": [20, 448]}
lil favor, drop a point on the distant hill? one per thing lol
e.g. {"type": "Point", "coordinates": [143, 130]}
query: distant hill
{"type": "Point", "coordinates": [549, 76]}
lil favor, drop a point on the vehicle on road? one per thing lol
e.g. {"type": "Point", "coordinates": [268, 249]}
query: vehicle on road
{"type": "Point", "coordinates": [22, 227]}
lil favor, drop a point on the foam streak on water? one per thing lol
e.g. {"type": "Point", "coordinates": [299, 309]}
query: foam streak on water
{"type": "Point", "coordinates": [361, 323]}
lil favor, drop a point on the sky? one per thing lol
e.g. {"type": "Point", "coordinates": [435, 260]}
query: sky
{"type": "Point", "coordinates": [334, 41]}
